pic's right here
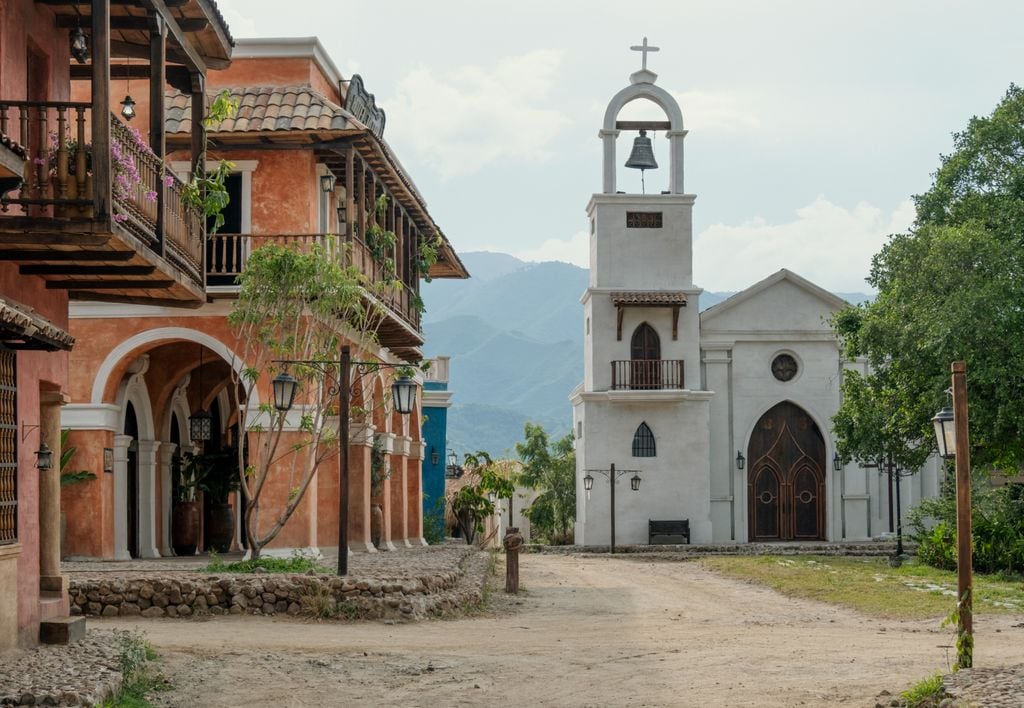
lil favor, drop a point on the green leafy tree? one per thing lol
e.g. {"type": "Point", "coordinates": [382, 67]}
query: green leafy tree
{"type": "Point", "coordinates": [551, 469]}
{"type": "Point", "coordinates": [295, 304]}
{"type": "Point", "coordinates": [471, 502]}
{"type": "Point", "coordinates": [951, 289]}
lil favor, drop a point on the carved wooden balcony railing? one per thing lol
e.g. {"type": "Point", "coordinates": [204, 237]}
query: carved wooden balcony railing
{"type": "Point", "coordinates": [647, 374]}
{"type": "Point", "coordinates": [58, 182]}
{"type": "Point", "coordinates": [226, 256]}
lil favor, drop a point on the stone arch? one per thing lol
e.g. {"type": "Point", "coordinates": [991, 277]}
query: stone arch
{"type": "Point", "coordinates": [151, 338]}
{"type": "Point", "coordinates": [642, 87]}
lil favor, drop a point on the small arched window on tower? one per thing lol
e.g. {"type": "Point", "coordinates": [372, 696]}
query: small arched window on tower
{"type": "Point", "coordinates": [645, 356]}
{"type": "Point", "coordinates": [643, 442]}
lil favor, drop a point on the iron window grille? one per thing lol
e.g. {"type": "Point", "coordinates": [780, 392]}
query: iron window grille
{"type": "Point", "coordinates": [643, 442]}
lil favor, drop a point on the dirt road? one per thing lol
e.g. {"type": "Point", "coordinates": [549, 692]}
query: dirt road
{"type": "Point", "coordinates": [588, 632]}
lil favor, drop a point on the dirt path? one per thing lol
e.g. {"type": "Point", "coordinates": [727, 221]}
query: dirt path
{"type": "Point", "coordinates": [588, 632]}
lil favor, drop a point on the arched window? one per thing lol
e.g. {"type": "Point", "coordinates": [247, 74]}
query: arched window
{"type": "Point", "coordinates": [645, 356]}
{"type": "Point", "coordinates": [645, 343]}
{"type": "Point", "coordinates": [643, 442]}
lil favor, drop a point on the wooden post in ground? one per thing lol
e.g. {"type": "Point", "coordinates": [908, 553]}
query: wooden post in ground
{"type": "Point", "coordinates": [513, 542]}
{"type": "Point", "coordinates": [965, 623]}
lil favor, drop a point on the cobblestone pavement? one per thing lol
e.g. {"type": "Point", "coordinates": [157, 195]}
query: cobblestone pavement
{"type": "Point", "coordinates": [1001, 687]}
{"type": "Point", "coordinates": [80, 674]}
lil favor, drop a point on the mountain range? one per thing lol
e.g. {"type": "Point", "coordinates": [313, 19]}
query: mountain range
{"type": "Point", "coordinates": [514, 332]}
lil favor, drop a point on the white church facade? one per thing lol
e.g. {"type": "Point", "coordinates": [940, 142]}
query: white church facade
{"type": "Point", "coordinates": [720, 418]}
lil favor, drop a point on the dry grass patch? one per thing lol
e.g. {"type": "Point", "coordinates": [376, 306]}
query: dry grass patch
{"type": "Point", "coordinates": [869, 585]}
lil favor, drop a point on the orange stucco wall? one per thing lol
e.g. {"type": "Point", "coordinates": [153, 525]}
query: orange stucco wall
{"type": "Point", "coordinates": [27, 27]}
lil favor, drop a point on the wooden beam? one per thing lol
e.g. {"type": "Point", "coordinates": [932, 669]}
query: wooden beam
{"type": "Point", "coordinates": [642, 125]}
{"type": "Point", "coordinates": [157, 80]}
{"type": "Point", "coordinates": [108, 284]}
{"type": "Point", "coordinates": [101, 175]}
{"type": "Point", "coordinates": [83, 256]}
{"type": "Point", "coordinates": [87, 270]}
{"type": "Point", "coordinates": [141, 51]}
{"type": "Point", "coordinates": [177, 76]}
{"type": "Point", "coordinates": [87, 4]}
{"type": "Point", "coordinates": [134, 299]}
{"type": "Point", "coordinates": [194, 61]}
{"type": "Point", "coordinates": [142, 24]}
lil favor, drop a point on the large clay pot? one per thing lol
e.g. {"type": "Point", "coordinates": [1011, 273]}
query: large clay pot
{"type": "Point", "coordinates": [220, 527]}
{"type": "Point", "coordinates": [376, 524]}
{"type": "Point", "coordinates": [185, 528]}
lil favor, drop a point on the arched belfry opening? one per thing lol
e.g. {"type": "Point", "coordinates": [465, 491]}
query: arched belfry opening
{"type": "Point", "coordinates": [642, 87]}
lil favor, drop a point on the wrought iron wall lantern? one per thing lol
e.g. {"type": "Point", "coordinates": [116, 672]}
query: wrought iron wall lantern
{"type": "Point", "coordinates": [200, 423]}
{"type": "Point", "coordinates": [435, 456]}
{"type": "Point", "coordinates": [79, 45]}
{"type": "Point", "coordinates": [741, 461]}
{"type": "Point", "coordinates": [44, 458]}
{"type": "Point", "coordinates": [837, 462]}
{"type": "Point", "coordinates": [327, 183]}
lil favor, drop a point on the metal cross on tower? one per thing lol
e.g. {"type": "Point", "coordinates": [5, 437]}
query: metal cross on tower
{"type": "Point", "coordinates": [643, 48]}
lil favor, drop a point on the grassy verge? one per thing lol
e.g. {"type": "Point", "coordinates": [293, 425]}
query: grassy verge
{"type": "Point", "coordinates": [869, 585]}
{"type": "Point", "coordinates": [140, 678]}
{"type": "Point", "coordinates": [924, 694]}
{"type": "Point", "coordinates": [296, 563]}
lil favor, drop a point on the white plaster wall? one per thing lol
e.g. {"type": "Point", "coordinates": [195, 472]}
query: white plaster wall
{"type": "Point", "coordinates": [675, 482]}
{"type": "Point", "coordinates": [648, 259]}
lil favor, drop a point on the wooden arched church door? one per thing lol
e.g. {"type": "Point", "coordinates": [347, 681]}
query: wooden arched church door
{"type": "Point", "coordinates": [786, 477]}
{"type": "Point", "coordinates": [644, 354]}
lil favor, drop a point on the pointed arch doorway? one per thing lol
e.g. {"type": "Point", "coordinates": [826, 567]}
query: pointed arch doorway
{"type": "Point", "coordinates": [786, 477]}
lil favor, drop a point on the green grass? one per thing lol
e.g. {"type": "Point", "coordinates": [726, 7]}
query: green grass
{"type": "Point", "coordinates": [928, 692]}
{"type": "Point", "coordinates": [296, 563]}
{"type": "Point", "coordinates": [139, 679]}
{"type": "Point", "coordinates": [869, 585]}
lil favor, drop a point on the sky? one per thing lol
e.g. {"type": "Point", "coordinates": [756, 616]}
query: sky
{"type": "Point", "coordinates": [811, 122]}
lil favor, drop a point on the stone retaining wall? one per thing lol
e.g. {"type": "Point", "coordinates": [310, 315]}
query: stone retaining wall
{"type": "Point", "coordinates": [166, 594]}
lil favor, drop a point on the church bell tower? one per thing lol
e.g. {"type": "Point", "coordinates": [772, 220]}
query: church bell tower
{"type": "Point", "coordinates": [641, 406]}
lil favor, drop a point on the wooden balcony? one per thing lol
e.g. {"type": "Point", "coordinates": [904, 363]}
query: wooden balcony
{"type": "Point", "coordinates": [647, 374]}
{"type": "Point", "coordinates": [146, 248]}
{"type": "Point", "coordinates": [226, 255]}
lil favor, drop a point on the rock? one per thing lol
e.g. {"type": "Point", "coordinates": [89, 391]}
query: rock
{"type": "Point", "coordinates": [110, 611]}
{"type": "Point", "coordinates": [235, 610]}
{"type": "Point", "coordinates": [216, 610]}
{"type": "Point", "coordinates": [239, 600]}
{"type": "Point", "coordinates": [184, 610]}
{"type": "Point", "coordinates": [146, 591]}
{"type": "Point", "coordinates": [153, 612]}
{"type": "Point", "coordinates": [171, 610]}
{"type": "Point", "coordinates": [294, 608]}
{"type": "Point", "coordinates": [269, 597]}
{"type": "Point", "coordinates": [268, 608]}
{"type": "Point", "coordinates": [130, 609]}
{"type": "Point", "coordinates": [160, 600]}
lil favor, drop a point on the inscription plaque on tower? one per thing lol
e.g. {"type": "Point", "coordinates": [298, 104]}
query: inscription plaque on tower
{"type": "Point", "coordinates": [643, 219]}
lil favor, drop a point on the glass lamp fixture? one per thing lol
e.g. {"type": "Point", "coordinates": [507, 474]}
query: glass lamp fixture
{"type": "Point", "coordinates": [403, 394]}
{"type": "Point", "coordinates": [740, 460]}
{"type": "Point", "coordinates": [79, 45]}
{"type": "Point", "coordinates": [285, 385]}
{"type": "Point", "coordinates": [588, 482]}
{"type": "Point", "coordinates": [945, 432]}
{"type": "Point", "coordinates": [44, 458]}
{"type": "Point", "coordinates": [327, 183]}
{"type": "Point", "coordinates": [634, 482]}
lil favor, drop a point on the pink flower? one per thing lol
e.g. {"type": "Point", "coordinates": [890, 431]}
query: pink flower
{"type": "Point", "coordinates": [38, 161]}
{"type": "Point", "coordinates": [150, 196]}
{"type": "Point", "coordinates": [169, 181]}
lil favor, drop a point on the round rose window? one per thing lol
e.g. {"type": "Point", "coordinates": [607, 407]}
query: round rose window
{"type": "Point", "coordinates": [784, 367]}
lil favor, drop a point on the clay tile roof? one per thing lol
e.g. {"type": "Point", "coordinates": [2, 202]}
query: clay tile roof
{"type": "Point", "coordinates": [648, 298]}
{"type": "Point", "coordinates": [266, 108]}
{"type": "Point", "coordinates": [14, 147]}
{"type": "Point", "coordinates": [24, 329]}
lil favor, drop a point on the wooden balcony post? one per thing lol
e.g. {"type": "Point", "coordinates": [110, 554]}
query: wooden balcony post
{"type": "Point", "coordinates": [362, 199]}
{"type": "Point", "coordinates": [157, 80]}
{"type": "Point", "coordinates": [350, 193]}
{"type": "Point", "coordinates": [101, 173]}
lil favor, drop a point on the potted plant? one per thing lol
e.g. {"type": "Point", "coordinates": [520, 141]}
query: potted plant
{"type": "Point", "coordinates": [185, 515]}
{"type": "Point", "coordinates": [379, 473]}
{"type": "Point", "coordinates": [218, 482]}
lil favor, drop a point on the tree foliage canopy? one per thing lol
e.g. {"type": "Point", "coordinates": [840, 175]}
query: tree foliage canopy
{"type": "Point", "coordinates": [550, 468]}
{"type": "Point", "coordinates": [951, 289]}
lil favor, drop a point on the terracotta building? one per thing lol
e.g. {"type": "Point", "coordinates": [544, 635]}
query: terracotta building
{"type": "Point", "coordinates": [310, 161]}
{"type": "Point", "coordinates": [77, 224]}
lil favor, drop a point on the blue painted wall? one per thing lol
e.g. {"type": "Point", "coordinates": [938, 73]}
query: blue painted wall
{"type": "Point", "coordinates": [435, 435]}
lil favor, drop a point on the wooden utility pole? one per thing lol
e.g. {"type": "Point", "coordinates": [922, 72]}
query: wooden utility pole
{"type": "Point", "coordinates": [965, 623]}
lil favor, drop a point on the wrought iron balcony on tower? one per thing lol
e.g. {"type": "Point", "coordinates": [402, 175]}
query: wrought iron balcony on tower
{"type": "Point", "coordinates": [647, 374]}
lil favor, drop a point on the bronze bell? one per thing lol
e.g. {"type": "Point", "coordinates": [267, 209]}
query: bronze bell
{"type": "Point", "coordinates": [642, 157]}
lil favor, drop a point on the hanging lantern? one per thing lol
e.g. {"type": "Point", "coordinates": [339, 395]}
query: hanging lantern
{"type": "Point", "coordinates": [327, 183]}
{"type": "Point", "coordinates": [403, 393]}
{"type": "Point", "coordinates": [285, 385]}
{"type": "Point", "coordinates": [200, 426]}
{"type": "Point", "coordinates": [837, 462]}
{"type": "Point", "coordinates": [740, 460]}
{"type": "Point", "coordinates": [634, 482]}
{"type": "Point", "coordinates": [588, 482]}
{"type": "Point", "coordinates": [79, 45]}
{"type": "Point", "coordinates": [128, 107]}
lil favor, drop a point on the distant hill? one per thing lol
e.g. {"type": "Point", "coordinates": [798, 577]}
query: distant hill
{"type": "Point", "coordinates": [514, 332]}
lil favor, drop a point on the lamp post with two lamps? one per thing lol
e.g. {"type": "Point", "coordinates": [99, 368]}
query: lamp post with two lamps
{"type": "Point", "coordinates": [612, 475]}
{"type": "Point", "coordinates": [403, 394]}
{"type": "Point", "coordinates": [952, 437]}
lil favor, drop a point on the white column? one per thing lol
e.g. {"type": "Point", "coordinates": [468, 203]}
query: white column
{"type": "Point", "coordinates": [165, 455]}
{"type": "Point", "coordinates": [609, 137]}
{"type": "Point", "coordinates": [675, 177]}
{"type": "Point", "coordinates": [147, 498]}
{"type": "Point", "coordinates": [121, 443]}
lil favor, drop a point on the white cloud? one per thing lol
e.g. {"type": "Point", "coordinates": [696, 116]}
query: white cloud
{"type": "Point", "coordinates": [575, 250]}
{"type": "Point", "coordinates": [826, 243]}
{"type": "Point", "coordinates": [240, 24]}
{"type": "Point", "coordinates": [473, 117]}
{"type": "Point", "coordinates": [727, 111]}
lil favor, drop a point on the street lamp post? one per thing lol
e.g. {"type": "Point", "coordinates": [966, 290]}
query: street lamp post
{"type": "Point", "coordinates": [403, 394]}
{"type": "Point", "coordinates": [895, 473]}
{"type": "Point", "coordinates": [952, 436]}
{"type": "Point", "coordinates": [612, 475]}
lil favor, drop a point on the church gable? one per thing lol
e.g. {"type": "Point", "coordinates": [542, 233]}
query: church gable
{"type": "Point", "coordinates": [783, 302]}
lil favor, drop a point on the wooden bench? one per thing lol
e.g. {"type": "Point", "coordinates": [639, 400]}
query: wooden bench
{"type": "Point", "coordinates": [668, 531]}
